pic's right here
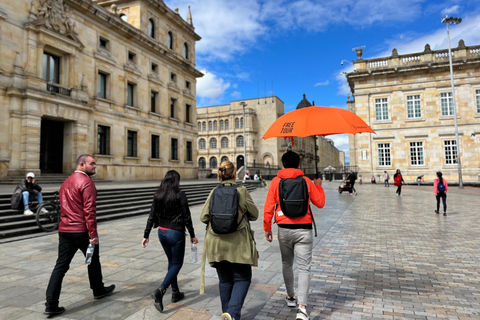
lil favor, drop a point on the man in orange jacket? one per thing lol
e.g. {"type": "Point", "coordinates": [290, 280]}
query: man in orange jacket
{"type": "Point", "coordinates": [295, 234]}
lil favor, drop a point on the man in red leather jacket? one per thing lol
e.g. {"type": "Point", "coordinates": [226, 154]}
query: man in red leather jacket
{"type": "Point", "coordinates": [78, 228]}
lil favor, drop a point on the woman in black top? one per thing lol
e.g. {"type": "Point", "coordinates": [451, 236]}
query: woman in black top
{"type": "Point", "coordinates": [171, 214]}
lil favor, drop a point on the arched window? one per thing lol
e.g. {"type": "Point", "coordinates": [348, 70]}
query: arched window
{"type": "Point", "coordinates": [241, 122]}
{"type": "Point", "coordinates": [199, 126]}
{"type": "Point", "coordinates": [123, 16]}
{"type": "Point", "coordinates": [226, 124]}
{"type": "Point", "coordinates": [204, 126]}
{"type": "Point", "coordinates": [213, 143]}
{"type": "Point", "coordinates": [215, 125]}
{"type": "Point", "coordinates": [239, 141]}
{"type": "Point", "coordinates": [210, 126]}
{"type": "Point", "coordinates": [213, 163]}
{"type": "Point", "coordinates": [201, 144]}
{"type": "Point", "coordinates": [237, 123]}
{"type": "Point", "coordinates": [185, 50]}
{"type": "Point", "coordinates": [224, 142]}
{"type": "Point", "coordinates": [221, 124]}
{"type": "Point", "coordinates": [151, 28]}
{"type": "Point", "coordinates": [224, 158]}
{"type": "Point", "coordinates": [170, 40]}
{"type": "Point", "coordinates": [202, 163]}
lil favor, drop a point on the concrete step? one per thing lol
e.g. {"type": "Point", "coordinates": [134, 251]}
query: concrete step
{"type": "Point", "coordinates": [112, 204]}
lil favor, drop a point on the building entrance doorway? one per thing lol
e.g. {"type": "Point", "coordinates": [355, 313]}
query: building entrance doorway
{"type": "Point", "coordinates": [240, 162]}
{"type": "Point", "coordinates": [51, 146]}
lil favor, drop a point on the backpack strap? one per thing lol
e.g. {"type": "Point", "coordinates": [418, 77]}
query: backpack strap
{"type": "Point", "coordinates": [313, 219]}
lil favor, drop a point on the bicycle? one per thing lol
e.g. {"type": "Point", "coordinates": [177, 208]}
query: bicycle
{"type": "Point", "coordinates": [49, 219]}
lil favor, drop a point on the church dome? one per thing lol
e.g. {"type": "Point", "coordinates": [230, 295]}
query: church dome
{"type": "Point", "coordinates": [304, 103]}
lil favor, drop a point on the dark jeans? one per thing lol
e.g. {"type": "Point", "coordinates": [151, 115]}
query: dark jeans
{"type": "Point", "coordinates": [234, 281]}
{"type": "Point", "coordinates": [399, 190]}
{"type": "Point", "coordinates": [351, 186]}
{"type": "Point", "coordinates": [173, 243]}
{"type": "Point", "coordinates": [442, 195]}
{"type": "Point", "coordinates": [68, 245]}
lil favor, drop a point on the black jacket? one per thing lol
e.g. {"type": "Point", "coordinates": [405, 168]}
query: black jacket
{"type": "Point", "coordinates": [27, 186]}
{"type": "Point", "coordinates": [179, 217]}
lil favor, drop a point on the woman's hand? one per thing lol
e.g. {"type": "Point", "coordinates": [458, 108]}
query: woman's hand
{"type": "Point", "coordinates": [194, 240]}
{"type": "Point", "coordinates": [145, 242]}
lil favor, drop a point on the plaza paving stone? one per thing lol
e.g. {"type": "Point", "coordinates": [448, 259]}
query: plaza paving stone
{"type": "Point", "coordinates": [377, 256]}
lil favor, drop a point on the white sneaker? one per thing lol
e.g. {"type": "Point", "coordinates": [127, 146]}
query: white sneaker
{"type": "Point", "coordinates": [44, 210]}
{"type": "Point", "coordinates": [302, 314]}
{"type": "Point", "coordinates": [291, 301]}
{"type": "Point", "coordinates": [28, 212]}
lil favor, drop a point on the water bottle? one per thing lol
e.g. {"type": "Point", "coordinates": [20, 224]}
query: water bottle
{"type": "Point", "coordinates": [194, 253]}
{"type": "Point", "coordinates": [88, 256]}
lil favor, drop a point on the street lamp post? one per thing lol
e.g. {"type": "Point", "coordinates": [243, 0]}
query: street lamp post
{"type": "Point", "coordinates": [447, 20]}
{"type": "Point", "coordinates": [243, 104]}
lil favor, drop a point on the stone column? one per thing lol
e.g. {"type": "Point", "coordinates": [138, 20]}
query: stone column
{"type": "Point", "coordinates": [40, 47]}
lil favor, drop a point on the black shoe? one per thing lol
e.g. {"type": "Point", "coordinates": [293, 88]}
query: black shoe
{"type": "Point", "coordinates": [177, 296]}
{"type": "Point", "coordinates": [444, 213]}
{"type": "Point", "coordinates": [107, 291]}
{"type": "Point", "coordinates": [53, 311]}
{"type": "Point", "coordinates": [157, 295]}
{"type": "Point", "coordinates": [436, 211]}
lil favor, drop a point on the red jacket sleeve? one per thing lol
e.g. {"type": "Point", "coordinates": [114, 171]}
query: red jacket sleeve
{"type": "Point", "coordinates": [89, 195]}
{"type": "Point", "coordinates": [316, 193]}
{"type": "Point", "coordinates": [270, 202]}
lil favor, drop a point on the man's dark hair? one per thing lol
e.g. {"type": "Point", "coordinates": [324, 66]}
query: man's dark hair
{"type": "Point", "coordinates": [83, 158]}
{"type": "Point", "coordinates": [290, 159]}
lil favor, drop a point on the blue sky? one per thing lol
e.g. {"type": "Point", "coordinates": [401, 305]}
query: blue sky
{"type": "Point", "coordinates": [298, 45]}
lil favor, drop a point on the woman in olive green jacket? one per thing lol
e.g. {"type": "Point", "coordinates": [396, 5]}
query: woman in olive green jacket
{"type": "Point", "coordinates": [232, 254]}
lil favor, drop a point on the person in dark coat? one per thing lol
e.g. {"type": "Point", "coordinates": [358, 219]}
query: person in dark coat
{"type": "Point", "coordinates": [351, 178]}
{"type": "Point", "coordinates": [30, 191]}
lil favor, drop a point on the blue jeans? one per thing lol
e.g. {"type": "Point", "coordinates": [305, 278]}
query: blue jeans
{"type": "Point", "coordinates": [27, 196]}
{"type": "Point", "coordinates": [173, 243]}
{"type": "Point", "coordinates": [386, 183]}
{"type": "Point", "coordinates": [234, 281]}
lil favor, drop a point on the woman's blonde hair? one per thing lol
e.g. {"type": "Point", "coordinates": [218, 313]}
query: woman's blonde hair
{"type": "Point", "coordinates": [226, 171]}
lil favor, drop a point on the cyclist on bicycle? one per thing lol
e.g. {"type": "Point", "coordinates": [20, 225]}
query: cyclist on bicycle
{"type": "Point", "coordinates": [31, 191]}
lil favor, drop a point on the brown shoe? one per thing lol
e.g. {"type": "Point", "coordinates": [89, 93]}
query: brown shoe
{"type": "Point", "coordinates": [444, 213]}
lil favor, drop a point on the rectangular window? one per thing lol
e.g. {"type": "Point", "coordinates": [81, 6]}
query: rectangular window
{"type": "Point", "coordinates": [174, 149]}
{"type": "Point", "coordinates": [416, 154]}
{"type": "Point", "coordinates": [189, 151]}
{"type": "Point", "coordinates": [155, 147]}
{"type": "Point", "coordinates": [173, 77]}
{"type": "Point", "coordinates": [173, 102]}
{"type": "Point", "coordinates": [154, 68]}
{"type": "Point", "coordinates": [447, 104]}
{"type": "Point", "coordinates": [131, 143]}
{"type": "Point", "coordinates": [413, 107]}
{"type": "Point", "coordinates": [384, 159]}
{"type": "Point", "coordinates": [103, 44]}
{"type": "Point", "coordinates": [153, 101]}
{"type": "Point", "coordinates": [381, 109]}
{"type": "Point", "coordinates": [132, 57]}
{"type": "Point", "coordinates": [478, 100]}
{"type": "Point", "coordinates": [450, 152]}
{"type": "Point", "coordinates": [102, 85]}
{"type": "Point", "coordinates": [51, 68]}
{"type": "Point", "coordinates": [188, 110]}
{"type": "Point", "coordinates": [103, 140]}
{"type": "Point", "coordinates": [187, 85]}
{"type": "Point", "coordinates": [130, 93]}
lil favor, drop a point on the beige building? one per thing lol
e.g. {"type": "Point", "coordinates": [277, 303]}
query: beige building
{"type": "Point", "coordinates": [115, 79]}
{"type": "Point", "coordinates": [221, 137]}
{"type": "Point", "coordinates": [407, 100]}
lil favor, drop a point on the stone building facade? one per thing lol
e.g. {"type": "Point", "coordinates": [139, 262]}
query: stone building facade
{"type": "Point", "coordinates": [220, 137]}
{"type": "Point", "coordinates": [407, 100]}
{"type": "Point", "coordinates": [115, 79]}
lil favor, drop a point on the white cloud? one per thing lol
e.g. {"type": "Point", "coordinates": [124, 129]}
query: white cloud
{"type": "Point", "coordinates": [451, 10]}
{"type": "Point", "coordinates": [210, 88]}
{"type": "Point", "coordinates": [236, 95]}
{"type": "Point", "coordinates": [324, 83]}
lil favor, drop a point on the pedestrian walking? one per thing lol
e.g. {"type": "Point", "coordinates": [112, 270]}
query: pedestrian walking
{"type": "Point", "coordinates": [398, 181]}
{"type": "Point", "coordinates": [295, 232]}
{"type": "Point", "coordinates": [170, 213]}
{"type": "Point", "coordinates": [229, 242]}
{"type": "Point", "coordinates": [77, 229]}
{"type": "Point", "coordinates": [351, 178]}
{"type": "Point", "coordinates": [440, 188]}
{"type": "Point", "coordinates": [386, 177]}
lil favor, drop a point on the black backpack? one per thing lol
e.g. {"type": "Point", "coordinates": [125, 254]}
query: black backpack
{"type": "Point", "coordinates": [224, 209]}
{"type": "Point", "coordinates": [293, 194]}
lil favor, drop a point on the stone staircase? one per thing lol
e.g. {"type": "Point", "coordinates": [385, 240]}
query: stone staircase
{"type": "Point", "coordinates": [46, 178]}
{"type": "Point", "coordinates": [111, 204]}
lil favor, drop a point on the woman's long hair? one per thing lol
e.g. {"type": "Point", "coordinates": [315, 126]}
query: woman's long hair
{"type": "Point", "coordinates": [439, 175]}
{"type": "Point", "coordinates": [226, 171]}
{"type": "Point", "coordinates": [166, 195]}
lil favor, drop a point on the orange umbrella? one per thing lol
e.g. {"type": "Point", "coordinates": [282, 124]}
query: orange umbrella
{"type": "Point", "coordinates": [316, 121]}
